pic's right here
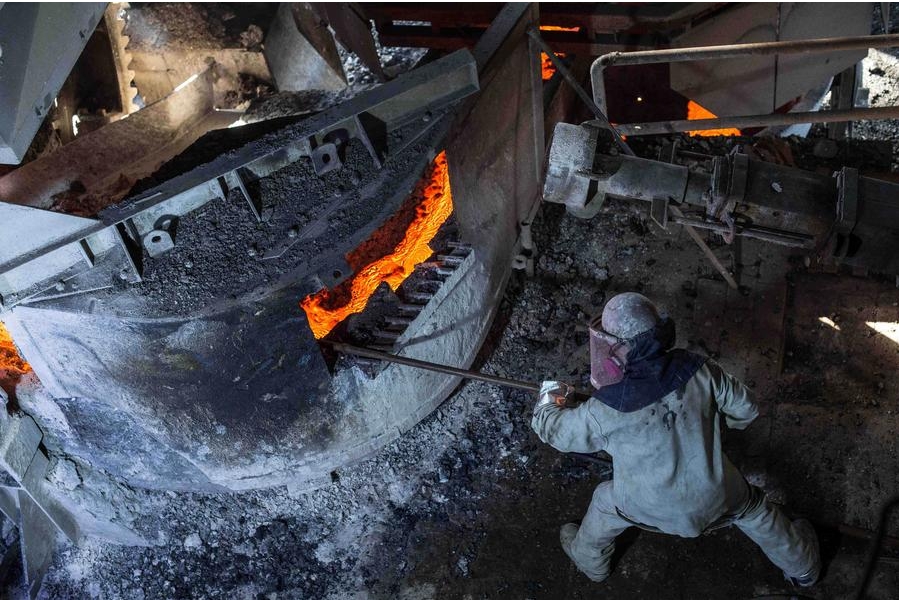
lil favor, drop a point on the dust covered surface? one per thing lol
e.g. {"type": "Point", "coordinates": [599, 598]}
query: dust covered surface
{"type": "Point", "coordinates": [468, 503]}
{"type": "Point", "coordinates": [193, 26]}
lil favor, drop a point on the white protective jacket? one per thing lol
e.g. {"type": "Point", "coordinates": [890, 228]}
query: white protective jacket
{"type": "Point", "coordinates": [670, 470]}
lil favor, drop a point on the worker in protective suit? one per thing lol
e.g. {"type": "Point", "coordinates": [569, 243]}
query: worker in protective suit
{"type": "Point", "coordinates": [658, 412]}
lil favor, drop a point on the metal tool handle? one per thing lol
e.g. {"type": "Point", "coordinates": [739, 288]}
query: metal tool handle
{"type": "Point", "coordinates": [422, 364]}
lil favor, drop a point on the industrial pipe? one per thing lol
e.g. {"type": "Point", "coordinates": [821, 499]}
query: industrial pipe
{"type": "Point", "coordinates": [668, 55]}
{"type": "Point", "coordinates": [748, 121]}
{"type": "Point", "coordinates": [640, 57]}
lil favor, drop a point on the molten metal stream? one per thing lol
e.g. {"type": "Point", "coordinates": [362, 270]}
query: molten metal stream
{"type": "Point", "coordinates": [696, 111]}
{"type": "Point", "coordinates": [434, 209]}
{"type": "Point", "coordinates": [10, 361]}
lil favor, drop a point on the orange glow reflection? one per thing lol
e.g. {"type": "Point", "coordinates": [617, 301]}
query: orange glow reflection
{"type": "Point", "coordinates": [696, 112]}
{"type": "Point", "coordinates": [432, 211]}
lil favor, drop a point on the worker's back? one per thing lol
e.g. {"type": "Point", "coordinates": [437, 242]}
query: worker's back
{"type": "Point", "coordinates": [670, 470]}
{"type": "Point", "coordinates": [657, 410]}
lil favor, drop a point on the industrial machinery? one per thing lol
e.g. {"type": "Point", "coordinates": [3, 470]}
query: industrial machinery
{"type": "Point", "coordinates": [844, 218]}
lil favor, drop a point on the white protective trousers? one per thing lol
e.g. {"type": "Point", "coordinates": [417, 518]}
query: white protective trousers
{"type": "Point", "coordinates": [671, 474]}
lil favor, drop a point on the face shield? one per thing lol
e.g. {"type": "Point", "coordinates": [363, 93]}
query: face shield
{"type": "Point", "coordinates": [608, 355]}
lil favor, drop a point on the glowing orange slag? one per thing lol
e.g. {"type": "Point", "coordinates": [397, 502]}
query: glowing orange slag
{"type": "Point", "coordinates": [433, 210]}
{"type": "Point", "coordinates": [696, 111]}
{"type": "Point", "coordinates": [547, 69]}
{"type": "Point", "coordinates": [558, 28]}
{"type": "Point", "coordinates": [10, 361]}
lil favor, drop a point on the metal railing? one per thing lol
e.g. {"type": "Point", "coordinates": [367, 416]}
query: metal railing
{"type": "Point", "coordinates": [669, 55]}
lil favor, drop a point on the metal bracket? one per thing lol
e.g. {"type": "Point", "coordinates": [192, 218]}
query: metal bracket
{"type": "Point", "coordinates": [326, 157]}
{"type": "Point", "coordinates": [236, 180]}
{"type": "Point", "coordinates": [157, 242]}
{"type": "Point", "coordinates": [133, 271]}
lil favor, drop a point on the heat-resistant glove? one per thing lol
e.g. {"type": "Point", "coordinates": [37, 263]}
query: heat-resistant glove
{"type": "Point", "coordinates": [555, 392]}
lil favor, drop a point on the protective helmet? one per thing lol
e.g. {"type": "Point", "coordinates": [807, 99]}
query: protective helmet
{"type": "Point", "coordinates": [624, 317]}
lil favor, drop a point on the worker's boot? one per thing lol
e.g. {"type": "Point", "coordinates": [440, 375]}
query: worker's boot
{"type": "Point", "coordinates": [566, 536]}
{"type": "Point", "coordinates": [807, 532]}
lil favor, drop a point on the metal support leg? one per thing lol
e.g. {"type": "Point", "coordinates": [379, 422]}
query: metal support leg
{"type": "Point", "coordinates": [705, 249]}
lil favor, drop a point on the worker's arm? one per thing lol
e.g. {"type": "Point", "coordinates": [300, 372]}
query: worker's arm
{"type": "Point", "coordinates": [566, 429]}
{"type": "Point", "coordinates": [734, 399]}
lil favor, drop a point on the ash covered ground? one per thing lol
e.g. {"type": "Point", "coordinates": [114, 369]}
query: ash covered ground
{"type": "Point", "coordinates": [468, 503]}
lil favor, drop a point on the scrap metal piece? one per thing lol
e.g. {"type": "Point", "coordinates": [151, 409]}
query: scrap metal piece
{"type": "Point", "coordinates": [39, 44]}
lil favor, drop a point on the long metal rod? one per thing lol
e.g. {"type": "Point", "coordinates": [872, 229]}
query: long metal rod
{"type": "Point", "coordinates": [582, 94]}
{"type": "Point", "coordinates": [422, 364]}
{"type": "Point", "coordinates": [775, 236]}
{"type": "Point", "coordinates": [815, 46]}
{"type": "Point", "coordinates": [742, 122]}
{"type": "Point", "coordinates": [705, 249]}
